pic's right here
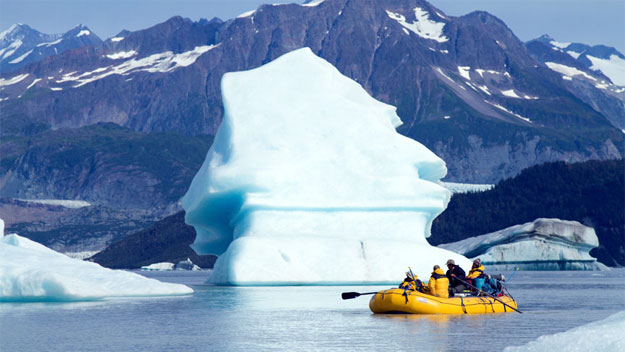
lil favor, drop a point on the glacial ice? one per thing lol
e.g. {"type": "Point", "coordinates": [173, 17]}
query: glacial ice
{"type": "Point", "coordinates": [30, 271]}
{"type": "Point", "coordinates": [308, 182]}
{"type": "Point", "coordinates": [600, 336]}
{"type": "Point", "coordinates": [543, 244]}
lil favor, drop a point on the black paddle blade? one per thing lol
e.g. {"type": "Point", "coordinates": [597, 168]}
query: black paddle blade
{"type": "Point", "coordinates": [349, 295]}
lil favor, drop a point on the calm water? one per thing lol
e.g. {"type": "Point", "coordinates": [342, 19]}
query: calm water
{"type": "Point", "coordinates": [303, 318]}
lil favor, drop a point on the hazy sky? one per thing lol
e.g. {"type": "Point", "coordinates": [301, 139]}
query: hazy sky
{"type": "Point", "coordinates": [585, 21]}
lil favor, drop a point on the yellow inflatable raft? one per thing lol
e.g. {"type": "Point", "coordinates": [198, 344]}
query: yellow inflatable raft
{"type": "Point", "coordinates": [397, 300]}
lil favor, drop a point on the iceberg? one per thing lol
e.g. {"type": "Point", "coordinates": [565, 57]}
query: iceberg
{"type": "Point", "coordinates": [163, 266]}
{"type": "Point", "coordinates": [30, 271]}
{"type": "Point", "coordinates": [308, 182]}
{"type": "Point", "coordinates": [543, 244]}
{"type": "Point", "coordinates": [599, 336]}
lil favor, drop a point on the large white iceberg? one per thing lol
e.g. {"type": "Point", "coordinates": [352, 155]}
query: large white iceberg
{"type": "Point", "coordinates": [601, 336]}
{"type": "Point", "coordinates": [308, 182]}
{"type": "Point", "coordinates": [30, 271]}
{"type": "Point", "coordinates": [543, 244]}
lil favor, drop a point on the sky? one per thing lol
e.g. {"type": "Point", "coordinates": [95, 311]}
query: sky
{"type": "Point", "coordinates": [584, 21]}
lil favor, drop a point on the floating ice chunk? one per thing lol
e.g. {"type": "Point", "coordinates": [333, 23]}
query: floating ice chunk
{"type": "Point", "coordinates": [186, 264]}
{"type": "Point", "coordinates": [72, 204]}
{"type": "Point", "coordinates": [600, 336]}
{"type": "Point", "coordinates": [466, 187]}
{"type": "Point", "coordinates": [308, 182]}
{"type": "Point", "coordinates": [30, 271]}
{"type": "Point", "coordinates": [544, 244]}
{"type": "Point", "coordinates": [159, 266]}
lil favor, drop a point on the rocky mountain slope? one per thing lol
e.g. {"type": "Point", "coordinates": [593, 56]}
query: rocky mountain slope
{"type": "Point", "coordinates": [594, 74]}
{"type": "Point", "coordinates": [21, 45]}
{"type": "Point", "coordinates": [466, 87]}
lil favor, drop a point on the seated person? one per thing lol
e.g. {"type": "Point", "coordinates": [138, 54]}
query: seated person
{"type": "Point", "coordinates": [456, 276]}
{"type": "Point", "coordinates": [439, 283]}
{"type": "Point", "coordinates": [476, 272]}
{"type": "Point", "coordinates": [410, 284]}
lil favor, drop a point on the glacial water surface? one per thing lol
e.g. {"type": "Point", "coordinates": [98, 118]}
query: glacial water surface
{"type": "Point", "coordinates": [303, 318]}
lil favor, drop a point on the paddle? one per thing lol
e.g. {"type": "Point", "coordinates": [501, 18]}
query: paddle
{"type": "Point", "coordinates": [489, 295]}
{"type": "Point", "coordinates": [350, 295]}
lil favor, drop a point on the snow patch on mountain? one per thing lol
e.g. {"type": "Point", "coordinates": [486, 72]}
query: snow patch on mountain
{"type": "Point", "coordinates": [613, 68]}
{"type": "Point", "coordinates": [122, 55]}
{"type": "Point", "coordinates": [568, 71]}
{"type": "Point", "coordinates": [510, 93]}
{"type": "Point", "coordinates": [83, 32]}
{"type": "Point", "coordinates": [574, 54]}
{"type": "Point", "coordinates": [559, 44]}
{"type": "Point", "coordinates": [13, 80]}
{"type": "Point", "coordinates": [312, 3]}
{"type": "Point", "coordinates": [50, 43]}
{"type": "Point", "coordinates": [117, 39]}
{"type": "Point", "coordinates": [423, 26]}
{"type": "Point", "coordinates": [508, 111]}
{"type": "Point", "coordinates": [464, 72]}
{"type": "Point", "coordinates": [246, 14]}
{"type": "Point", "coordinates": [161, 62]}
{"type": "Point", "coordinates": [33, 83]}
{"type": "Point", "coordinates": [19, 59]}
{"type": "Point", "coordinates": [9, 50]}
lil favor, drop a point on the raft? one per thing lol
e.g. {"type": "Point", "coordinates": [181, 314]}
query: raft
{"type": "Point", "coordinates": [402, 301]}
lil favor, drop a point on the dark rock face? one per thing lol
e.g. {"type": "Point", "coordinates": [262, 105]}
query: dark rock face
{"type": "Point", "coordinates": [21, 45]}
{"type": "Point", "coordinates": [166, 241]}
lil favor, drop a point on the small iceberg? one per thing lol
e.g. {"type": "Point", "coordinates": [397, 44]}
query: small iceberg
{"type": "Point", "coordinates": [186, 264]}
{"type": "Point", "coordinates": [30, 272]}
{"type": "Point", "coordinates": [543, 244]}
{"type": "Point", "coordinates": [603, 335]}
{"type": "Point", "coordinates": [164, 266]}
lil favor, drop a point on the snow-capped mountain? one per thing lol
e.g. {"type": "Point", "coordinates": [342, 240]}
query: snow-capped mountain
{"type": "Point", "coordinates": [21, 45]}
{"type": "Point", "coordinates": [599, 58]}
{"type": "Point", "coordinates": [594, 74]}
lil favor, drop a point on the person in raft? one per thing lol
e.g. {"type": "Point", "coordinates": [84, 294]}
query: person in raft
{"type": "Point", "coordinates": [477, 271]}
{"type": "Point", "coordinates": [410, 284]}
{"type": "Point", "coordinates": [476, 276]}
{"type": "Point", "coordinates": [455, 274]}
{"type": "Point", "coordinates": [439, 283]}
